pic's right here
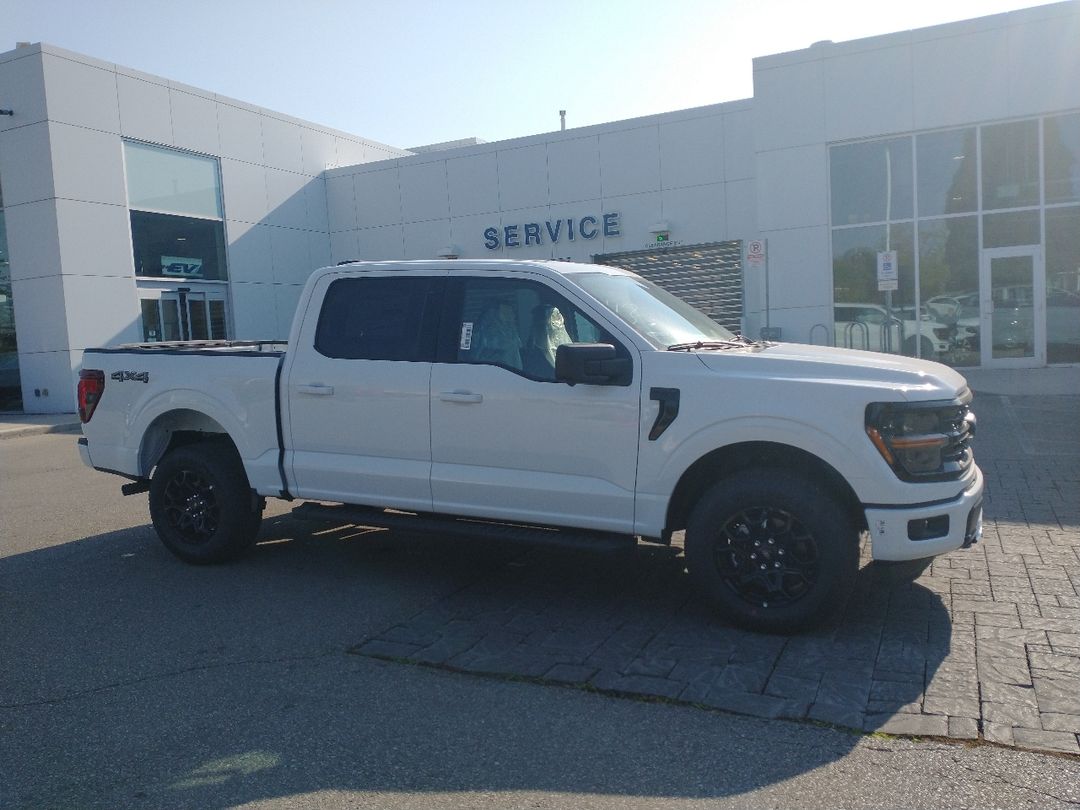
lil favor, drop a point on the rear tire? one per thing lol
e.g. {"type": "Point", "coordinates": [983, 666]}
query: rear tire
{"type": "Point", "coordinates": [773, 549]}
{"type": "Point", "coordinates": [201, 504]}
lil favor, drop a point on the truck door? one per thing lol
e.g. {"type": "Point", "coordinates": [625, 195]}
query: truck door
{"type": "Point", "coordinates": [508, 441]}
{"type": "Point", "coordinates": [358, 427]}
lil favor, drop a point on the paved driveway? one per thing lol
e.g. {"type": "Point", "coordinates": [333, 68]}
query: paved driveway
{"type": "Point", "coordinates": [981, 643]}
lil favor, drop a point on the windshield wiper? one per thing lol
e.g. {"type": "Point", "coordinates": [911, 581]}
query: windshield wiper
{"type": "Point", "coordinates": [737, 341]}
{"type": "Point", "coordinates": [708, 344]}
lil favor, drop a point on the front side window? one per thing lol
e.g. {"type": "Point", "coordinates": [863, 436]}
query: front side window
{"type": "Point", "coordinates": [377, 318]}
{"type": "Point", "coordinates": [519, 325]}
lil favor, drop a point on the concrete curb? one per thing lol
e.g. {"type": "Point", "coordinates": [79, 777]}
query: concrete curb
{"type": "Point", "coordinates": [18, 431]}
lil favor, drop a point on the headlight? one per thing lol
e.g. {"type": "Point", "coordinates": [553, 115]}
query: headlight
{"type": "Point", "coordinates": [923, 441]}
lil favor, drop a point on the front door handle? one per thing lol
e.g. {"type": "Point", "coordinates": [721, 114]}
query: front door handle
{"type": "Point", "coordinates": [317, 389]}
{"type": "Point", "coordinates": [467, 397]}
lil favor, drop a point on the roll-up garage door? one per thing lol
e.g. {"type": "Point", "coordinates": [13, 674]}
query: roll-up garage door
{"type": "Point", "coordinates": [709, 276]}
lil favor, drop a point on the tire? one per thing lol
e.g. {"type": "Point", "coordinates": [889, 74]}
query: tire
{"type": "Point", "coordinates": [781, 520]}
{"type": "Point", "coordinates": [201, 504]}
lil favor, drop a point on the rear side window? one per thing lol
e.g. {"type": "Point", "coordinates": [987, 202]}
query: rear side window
{"type": "Point", "coordinates": [379, 318]}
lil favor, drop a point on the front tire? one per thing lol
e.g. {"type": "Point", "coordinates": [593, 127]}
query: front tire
{"type": "Point", "coordinates": [201, 504]}
{"type": "Point", "coordinates": [774, 550]}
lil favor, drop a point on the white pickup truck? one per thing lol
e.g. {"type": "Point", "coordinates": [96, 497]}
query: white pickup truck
{"type": "Point", "coordinates": [555, 398]}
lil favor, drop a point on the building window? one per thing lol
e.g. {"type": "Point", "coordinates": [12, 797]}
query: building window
{"type": "Point", "coordinates": [1061, 136]}
{"type": "Point", "coordinates": [1010, 165]}
{"type": "Point", "coordinates": [178, 242]}
{"type": "Point", "coordinates": [975, 189]}
{"type": "Point", "coordinates": [871, 182]}
{"type": "Point", "coordinates": [10, 387]}
{"type": "Point", "coordinates": [947, 172]}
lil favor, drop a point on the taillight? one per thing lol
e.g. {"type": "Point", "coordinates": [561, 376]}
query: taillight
{"type": "Point", "coordinates": [91, 387]}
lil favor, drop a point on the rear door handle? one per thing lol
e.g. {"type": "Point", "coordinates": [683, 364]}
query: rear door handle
{"type": "Point", "coordinates": [317, 389]}
{"type": "Point", "coordinates": [467, 397]}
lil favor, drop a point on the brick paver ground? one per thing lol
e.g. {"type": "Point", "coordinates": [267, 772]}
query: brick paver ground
{"type": "Point", "coordinates": [981, 643]}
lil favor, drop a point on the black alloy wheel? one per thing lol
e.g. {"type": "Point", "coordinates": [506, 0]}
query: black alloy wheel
{"type": "Point", "coordinates": [773, 549]}
{"type": "Point", "coordinates": [766, 556]}
{"type": "Point", "coordinates": [202, 505]}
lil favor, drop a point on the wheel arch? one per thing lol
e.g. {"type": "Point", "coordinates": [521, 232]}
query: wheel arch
{"type": "Point", "coordinates": [756, 455]}
{"type": "Point", "coordinates": [178, 428]}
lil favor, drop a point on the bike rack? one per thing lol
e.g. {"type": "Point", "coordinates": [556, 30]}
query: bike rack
{"type": "Point", "coordinates": [813, 331]}
{"type": "Point", "coordinates": [887, 328]}
{"type": "Point", "coordinates": [850, 330]}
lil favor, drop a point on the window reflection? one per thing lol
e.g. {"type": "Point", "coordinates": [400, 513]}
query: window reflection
{"type": "Point", "coordinates": [1010, 165]}
{"type": "Point", "coordinates": [1062, 158]}
{"type": "Point", "coordinates": [1063, 284]}
{"type": "Point", "coordinates": [947, 172]}
{"type": "Point", "coordinates": [871, 182]}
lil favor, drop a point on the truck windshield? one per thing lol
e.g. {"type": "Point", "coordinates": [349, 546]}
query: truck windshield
{"type": "Point", "coordinates": [652, 311]}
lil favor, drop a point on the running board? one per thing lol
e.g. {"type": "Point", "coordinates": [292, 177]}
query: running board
{"type": "Point", "coordinates": [465, 527]}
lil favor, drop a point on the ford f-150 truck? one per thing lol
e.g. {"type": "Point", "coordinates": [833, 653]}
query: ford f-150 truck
{"type": "Point", "coordinates": [560, 398]}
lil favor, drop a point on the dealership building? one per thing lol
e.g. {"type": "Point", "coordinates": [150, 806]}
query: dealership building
{"type": "Point", "coordinates": [916, 192]}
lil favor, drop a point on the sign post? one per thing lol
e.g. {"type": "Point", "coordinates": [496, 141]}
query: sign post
{"type": "Point", "coordinates": [757, 258]}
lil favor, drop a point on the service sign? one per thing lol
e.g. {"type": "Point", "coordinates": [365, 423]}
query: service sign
{"type": "Point", "coordinates": [552, 231]}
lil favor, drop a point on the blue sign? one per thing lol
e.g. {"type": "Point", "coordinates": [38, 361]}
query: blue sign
{"type": "Point", "coordinates": [533, 233]}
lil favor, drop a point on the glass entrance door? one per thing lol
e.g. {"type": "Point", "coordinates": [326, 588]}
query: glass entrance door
{"type": "Point", "coordinates": [1013, 308]}
{"type": "Point", "coordinates": [182, 314]}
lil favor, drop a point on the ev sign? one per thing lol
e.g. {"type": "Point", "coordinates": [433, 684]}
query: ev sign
{"type": "Point", "coordinates": [887, 276]}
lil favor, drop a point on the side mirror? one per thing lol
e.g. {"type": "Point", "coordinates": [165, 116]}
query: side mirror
{"type": "Point", "coordinates": [592, 364]}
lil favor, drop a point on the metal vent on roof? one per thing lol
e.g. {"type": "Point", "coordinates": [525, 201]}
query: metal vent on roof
{"type": "Point", "coordinates": [708, 277]}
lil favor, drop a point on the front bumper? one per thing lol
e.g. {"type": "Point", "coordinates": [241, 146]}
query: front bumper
{"type": "Point", "coordinates": [946, 526]}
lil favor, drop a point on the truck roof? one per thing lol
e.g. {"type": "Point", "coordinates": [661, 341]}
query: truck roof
{"type": "Point", "coordinates": [546, 267]}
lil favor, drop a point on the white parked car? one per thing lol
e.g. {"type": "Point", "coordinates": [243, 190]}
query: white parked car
{"type": "Point", "coordinates": [870, 326]}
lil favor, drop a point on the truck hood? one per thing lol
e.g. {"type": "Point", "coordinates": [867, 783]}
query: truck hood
{"type": "Point", "coordinates": [914, 379]}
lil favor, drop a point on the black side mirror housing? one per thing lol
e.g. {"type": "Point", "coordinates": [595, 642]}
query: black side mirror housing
{"type": "Point", "coordinates": [592, 364]}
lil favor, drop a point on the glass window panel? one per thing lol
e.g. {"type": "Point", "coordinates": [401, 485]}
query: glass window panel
{"type": "Point", "coordinates": [1012, 329]}
{"type": "Point", "coordinates": [1006, 230]}
{"type": "Point", "coordinates": [151, 320]}
{"type": "Point", "coordinates": [197, 309]}
{"type": "Point", "coordinates": [1010, 165]}
{"type": "Point", "coordinates": [178, 248]}
{"type": "Point", "coordinates": [949, 283]}
{"type": "Point", "coordinates": [168, 180]}
{"type": "Point", "coordinates": [1061, 160]}
{"type": "Point", "coordinates": [947, 172]}
{"type": "Point", "coordinates": [170, 318]}
{"type": "Point", "coordinates": [882, 321]}
{"type": "Point", "coordinates": [217, 320]}
{"type": "Point", "coordinates": [871, 182]}
{"type": "Point", "coordinates": [10, 387]}
{"type": "Point", "coordinates": [1063, 285]}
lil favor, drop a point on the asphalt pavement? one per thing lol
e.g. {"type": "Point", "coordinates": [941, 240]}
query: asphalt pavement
{"type": "Point", "coordinates": [128, 679]}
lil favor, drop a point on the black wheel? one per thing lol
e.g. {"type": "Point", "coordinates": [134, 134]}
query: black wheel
{"type": "Point", "coordinates": [201, 504]}
{"type": "Point", "coordinates": [773, 549]}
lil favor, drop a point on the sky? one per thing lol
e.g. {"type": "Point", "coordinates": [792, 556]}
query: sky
{"type": "Point", "coordinates": [423, 71]}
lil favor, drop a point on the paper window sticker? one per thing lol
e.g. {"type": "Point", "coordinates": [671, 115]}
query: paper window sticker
{"type": "Point", "coordinates": [466, 336]}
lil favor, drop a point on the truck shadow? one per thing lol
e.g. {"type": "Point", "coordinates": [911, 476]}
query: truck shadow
{"type": "Point", "coordinates": [329, 660]}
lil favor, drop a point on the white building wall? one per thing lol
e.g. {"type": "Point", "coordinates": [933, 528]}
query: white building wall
{"type": "Point", "coordinates": [61, 164]}
{"type": "Point", "coordinates": [1006, 66]}
{"type": "Point", "coordinates": [689, 168]}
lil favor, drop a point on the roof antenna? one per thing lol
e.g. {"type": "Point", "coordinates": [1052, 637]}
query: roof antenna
{"type": "Point", "coordinates": [562, 120]}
